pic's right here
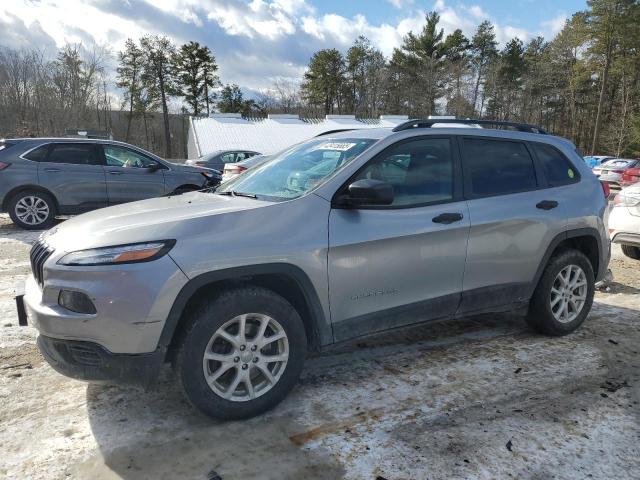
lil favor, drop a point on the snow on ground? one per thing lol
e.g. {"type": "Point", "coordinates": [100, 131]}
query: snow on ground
{"type": "Point", "coordinates": [478, 398]}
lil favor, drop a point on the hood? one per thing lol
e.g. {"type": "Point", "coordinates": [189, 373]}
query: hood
{"type": "Point", "coordinates": [147, 220]}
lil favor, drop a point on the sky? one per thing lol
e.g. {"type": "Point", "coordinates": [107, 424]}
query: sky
{"type": "Point", "coordinates": [256, 42]}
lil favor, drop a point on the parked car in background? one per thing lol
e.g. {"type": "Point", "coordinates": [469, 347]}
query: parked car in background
{"type": "Point", "coordinates": [217, 160]}
{"type": "Point", "coordinates": [611, 171]}
{"type": "Point", "coordinates": [630, 176]}
{"type": "Point", "coordinates": [44, 177]}
{"type": "Point", "coordinates": [624, 221]}
{"type": "Point", "coordinates": [403, 226]}
{"type": "Point", "coordinates": [595, 160]}
{"type": "Point", "coordinates": [232, 170]}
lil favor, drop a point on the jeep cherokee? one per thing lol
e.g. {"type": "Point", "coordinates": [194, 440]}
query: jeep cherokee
{"type": "Point", "coordinates": [340, 236]}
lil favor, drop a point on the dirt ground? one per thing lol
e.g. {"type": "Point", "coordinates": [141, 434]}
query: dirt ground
{"type": "Point", "coordinates": [478, 398]}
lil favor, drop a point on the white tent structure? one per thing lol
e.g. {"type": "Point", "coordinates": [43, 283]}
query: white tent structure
{"type": "Point", "coordinates": [229, 131]}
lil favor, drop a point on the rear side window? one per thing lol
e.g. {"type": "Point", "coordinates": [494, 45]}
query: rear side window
{"type": "Point", "coordinates": [497, 167]}
{"type": "Point", "coordinates": [37, 154]}
{"type": "Point", "coordinates": [73, 153]}
{"type": "Point", "coordinates": [557, 169]}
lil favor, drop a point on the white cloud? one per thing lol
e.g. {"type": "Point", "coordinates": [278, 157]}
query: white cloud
{"type": "Point", "coordinates": [552, 27]}
{"type": "Point", "coordinates": [253, 40]}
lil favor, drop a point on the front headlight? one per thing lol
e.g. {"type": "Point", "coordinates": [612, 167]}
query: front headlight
{"type": "Point", "coordinates": [119, 254]}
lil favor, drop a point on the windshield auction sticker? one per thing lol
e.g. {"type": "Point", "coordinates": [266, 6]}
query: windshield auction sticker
{"type": "Point", "coordinates": [340, 147]}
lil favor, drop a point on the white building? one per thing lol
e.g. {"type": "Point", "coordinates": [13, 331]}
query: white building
{"type": "Point", "coordinates": [228, 131]}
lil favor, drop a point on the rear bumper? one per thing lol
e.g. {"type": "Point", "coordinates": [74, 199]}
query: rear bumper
{"type": "Point", "coordinates": [90, 362]}
{"type": "Point", "coordinates": [627, 239]}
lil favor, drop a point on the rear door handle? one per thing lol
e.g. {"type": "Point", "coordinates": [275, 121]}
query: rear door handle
{"type": "Point", "coordinates": [51, 169]}
{"type": "Point", "coordinates": [547, 205]}
{"type": "Point", "coordinates": [447, 218]}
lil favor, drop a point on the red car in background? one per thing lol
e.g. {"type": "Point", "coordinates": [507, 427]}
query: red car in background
{"type": "Point", "coordinates": [630, 176]}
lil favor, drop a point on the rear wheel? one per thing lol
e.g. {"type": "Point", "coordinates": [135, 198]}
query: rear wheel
{"type": "Point", "coordinates": [242, 353]}
{"type": "Point", "coordinates": [32, 210]}
{"type": "Point", "coordinates": [631, 251]}
{"type": "Point", "coordinates": [564, 295]}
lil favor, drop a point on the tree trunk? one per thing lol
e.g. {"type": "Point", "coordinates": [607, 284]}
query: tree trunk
{"type": "Point", "coordinates": [605, 77]}
{"type": "Point", "coordinates": [165, 115]}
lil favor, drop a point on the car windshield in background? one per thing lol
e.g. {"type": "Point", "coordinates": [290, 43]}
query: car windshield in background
{"type": "Point", "coordinates": [294, 172]}
{"type": "Point", "coordinates": [619, 163]}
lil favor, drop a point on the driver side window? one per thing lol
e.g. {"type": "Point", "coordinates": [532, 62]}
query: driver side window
{"type": "Point", "coordinates": [420, 171]}
{"type": "Point", "coordinates": [123, 157]}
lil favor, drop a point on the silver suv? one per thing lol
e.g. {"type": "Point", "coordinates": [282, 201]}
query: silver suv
{"type": "Point", "coordinates": [41, 178]}
{"type": "Point", "coordinates": [340, 236]}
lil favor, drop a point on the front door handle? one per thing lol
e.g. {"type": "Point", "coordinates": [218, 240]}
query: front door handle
{"type": "Point", "coordinates": [547, 205]}
{"type": "Point", "coordinates": [51, 169]}
{"type": "Point", "coordinates": [447, 218]}
{"type": "Point", "coordinates": [115, 172]}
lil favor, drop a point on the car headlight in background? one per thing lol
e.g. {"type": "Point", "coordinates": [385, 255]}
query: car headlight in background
{"type": "Point", "coordinates": [120, 254]}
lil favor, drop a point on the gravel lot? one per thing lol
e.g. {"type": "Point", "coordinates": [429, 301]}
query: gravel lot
{"type": "Point", "coordinates": [478, 398]}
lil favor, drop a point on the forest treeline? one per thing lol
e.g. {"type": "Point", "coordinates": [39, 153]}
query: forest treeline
{"type": "Point", "coordinates": [583, 84]}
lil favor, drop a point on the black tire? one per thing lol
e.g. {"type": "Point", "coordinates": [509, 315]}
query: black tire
{"type": "Point", "coordinates": [631, 251]}
{"type": "Point", "coordinates": [206, 319]}
{"type": "Point", "coordinates": [42, 197]}
{"type": "Point", "coordinates": [540, 316]}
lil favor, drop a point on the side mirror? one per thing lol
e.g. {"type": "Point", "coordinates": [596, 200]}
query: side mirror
{"type": "Point", "coordinates": [368, 192]}
{"type": "Point", "coordinates": [153, 168]}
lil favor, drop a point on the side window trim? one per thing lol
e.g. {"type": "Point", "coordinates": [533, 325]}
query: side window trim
{"type": "Point", "coordinates": [542, 177]}
{"type": "Point", "coordinates": [457, 176]}
{"type": "Point", "coordinates": [468, 190]}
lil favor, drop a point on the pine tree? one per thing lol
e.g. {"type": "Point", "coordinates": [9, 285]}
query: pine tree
{"type": "Point", "coordinates": [158, 75]}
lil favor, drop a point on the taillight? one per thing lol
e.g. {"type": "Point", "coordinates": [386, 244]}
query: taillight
{"type": "Point", "coordinates": [234, 169]}
{"type": "Point", "coordinates": [4, 165]}
{"type": "Point", "coordinates": [605, 189]}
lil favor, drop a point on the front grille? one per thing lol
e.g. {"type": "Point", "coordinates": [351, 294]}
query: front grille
{"type": "Point", "coordinates": [39, 254]}
{"type": "Point", "coordinates": [85, 355]}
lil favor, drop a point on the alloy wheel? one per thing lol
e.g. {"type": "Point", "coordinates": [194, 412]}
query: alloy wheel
{"type": "Point", "coordinates": [32, 210]}
{"type": "Point", "coordinates": [246, 357]}
{"type": "Point", "coordinates": [568, 293]}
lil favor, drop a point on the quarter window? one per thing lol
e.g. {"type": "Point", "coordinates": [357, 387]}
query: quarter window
{"type": "Point", "coordinates": [497, 167]}
{"type": "Point", "coordinates": [125, 157]}
{"type": "Point", "coordinates": [557, 169]}
{"type": "Point", "coordinates": [73, 153]}
{"type": "Point", "coordinates": [37, 154]}
{"type": "Point", "coordinates": [420, 171]}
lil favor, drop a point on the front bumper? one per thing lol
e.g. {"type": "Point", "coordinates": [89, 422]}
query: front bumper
{"type": "Point", "coordinates": [132, 303]}
{"type": "Point", "coordinates": [91, 362]}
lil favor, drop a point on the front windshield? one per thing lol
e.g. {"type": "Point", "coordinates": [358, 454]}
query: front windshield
{"type": "Point", "coordinates": [293, 172]}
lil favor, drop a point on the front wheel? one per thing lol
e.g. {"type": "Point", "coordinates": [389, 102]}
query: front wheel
{"type": "Point", "coordinates": [631, 251]}
{"type": "Point", "coordinates": [32, 210]}
{"type": "Point", "coordinates": [242, 353]}
{"type": "Point", "coordinates": [564, 295]}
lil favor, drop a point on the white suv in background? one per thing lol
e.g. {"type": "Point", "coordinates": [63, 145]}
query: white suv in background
{"type": "Point", "coordinates": [624, 221]}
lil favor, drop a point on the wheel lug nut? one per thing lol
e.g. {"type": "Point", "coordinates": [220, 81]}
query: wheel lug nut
{"type": "Point", "coordinates": [245, 366]}
{"type": "Point", "coordinates": [237, 359]}
{"type": "Point", "coordinates": [242, 347]}
{"type": "Point", "coordinates": [254, 348]}
{"type": "Point", "coordinates": [255, 360]}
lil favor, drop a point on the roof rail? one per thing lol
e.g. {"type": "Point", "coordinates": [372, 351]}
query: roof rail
{"type": "Point", "coordinates": [428, 123]}
{"type": "Point", "coordinates": [338, 130]}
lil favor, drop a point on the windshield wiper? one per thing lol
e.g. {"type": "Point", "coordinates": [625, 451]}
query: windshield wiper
{"type": "Point", "coordinates": [233, 193]}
